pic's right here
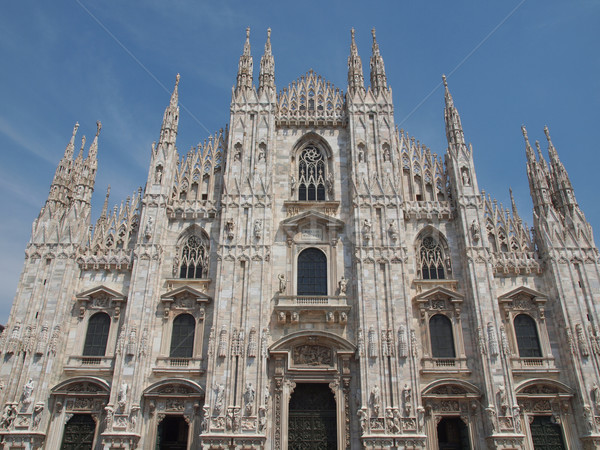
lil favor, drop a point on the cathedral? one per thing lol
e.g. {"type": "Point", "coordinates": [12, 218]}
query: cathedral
{"type": "Point", "coordinates": [309, 277]}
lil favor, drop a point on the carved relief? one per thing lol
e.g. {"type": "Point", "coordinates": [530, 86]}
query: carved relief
{"type": "Point", "coordinates": [312, 355]}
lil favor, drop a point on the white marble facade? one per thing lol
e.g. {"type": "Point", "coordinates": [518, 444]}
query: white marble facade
{"type": "Point", "coordinates": [428, 288]}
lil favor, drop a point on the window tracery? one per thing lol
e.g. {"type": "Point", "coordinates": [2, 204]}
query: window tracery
{"type": "Point", "coordinates": [194, 258]}
{"type": "Point", "coordinates": [432, 259]}
{"type": "Point", "coordinates": [311, 174]}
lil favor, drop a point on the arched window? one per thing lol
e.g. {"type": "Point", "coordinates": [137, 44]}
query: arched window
{"type": "Point", "coordinates": [442, 340]}
{"type": "Point", "coordinates": [182, 337]}
{"type": "Point", "coordinates": [312, 272]}
{"type": "Point", "coordinates": [97, 335]}
{"type": "Point", "coordinates": [527, 337]}
{"type": "Point", "coordinates": [194, 259]}
{"type": "Point", "coordinates": [431, 259]}
{"type": "Point", "coordinates": [311, 175]}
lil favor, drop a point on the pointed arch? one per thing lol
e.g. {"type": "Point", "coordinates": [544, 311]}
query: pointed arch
{"type": "Point", "coordinates": [433, 255]}
{"type": "Point", "coordinates": [193, 248]}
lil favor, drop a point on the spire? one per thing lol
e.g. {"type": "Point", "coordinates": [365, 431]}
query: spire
{"type": "Point", "coordinates": [105, 206]}
{"type": "Point", "coordinates": [356, 79]}
{"type": "Point", "coordinates": [378, 78]}
{"type": "Point", "coordinates": [528, 149]}
{"type": "Point", "coordinates": [71, 145]}
{"type": "Point", "coordinates": [454, 130]}
{"type": "Point", "coordinates": [564, 194]}
{"type": "Point", "coordinates": [513, 205]}
{"type": "Point", "coordinates": [79, 158]}
{"type": "Point", "coordinates": [244, 76]}
{"type": "Point", "coordinates": [168, 131]}
{"type": "Point", "coordinates": [539, 185]}
{"type": "Point", "coordinates": [267, 68]}
{"type": "Point", "coordinates": [93, 152]}
{"type": "Point", "coordinates": [541, 159]}
{"type": "Point", "coordinates": [175, 94]}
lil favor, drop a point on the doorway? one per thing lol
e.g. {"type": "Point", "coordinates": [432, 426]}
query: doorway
{"type": "Point", "coordinates": [452, 434]}
{"type": "Point", "coordinates": [172, 434]}
{"type": "Point", "coordinates": [312, 418]}
{"type": "Point", "coordinates": [79, 433]}
{"type": "Point", "coordinates": [546, 434]}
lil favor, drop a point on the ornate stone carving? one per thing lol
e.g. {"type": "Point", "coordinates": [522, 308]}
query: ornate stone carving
{"type": "Point", "coordinates": [312, 355]}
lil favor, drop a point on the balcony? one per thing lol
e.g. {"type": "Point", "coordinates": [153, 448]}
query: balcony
{"type": "Point", "coordinates": [444, 365]}
{"type": "Point", "coordinates": [532, 365]}
{"type": "Point", "coordinates": [91, 364]}
{"type": "Point", "coordinates": [312, 308]}
{"type": "Point", "coordinates": [174, 366]}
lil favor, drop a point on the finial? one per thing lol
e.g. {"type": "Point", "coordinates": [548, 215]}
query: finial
{"type": "Point", "coordinates": [98, 127]}
{"type": "Point", "coordinates": [82, 145]}
{"type": "Point", "coordinates": [373, 33]}
{"type": "Point", "coordinates": [269, 33]}
{"type": "Point", "coordinates": [547, 133]}
{"type": "Point", "coordinates": [177, 80]}
{"type": "Point", "coordinates": [539, 149]}
{"type": "Point", "coordinates": [352, 33]}
{"type": "Point", "coordinates": [75, 128]}
{"type": "Point", "coordinates": [444, 80]}
{"type": "Point", "coordinates": [247, 32]}
{"type": "Point", "coordinates": [524, 131]}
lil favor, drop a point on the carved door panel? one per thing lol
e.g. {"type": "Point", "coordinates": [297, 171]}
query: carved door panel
{"type": "Point", "coordinates": [312, 418]}
{"type": "Point", "coordinates": [546, 435]}
{"type": "Point", "coordinates": [79, 433]}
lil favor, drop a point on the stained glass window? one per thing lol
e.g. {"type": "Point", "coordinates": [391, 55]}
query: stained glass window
{"type": "Point", "coordinates": [311, 175]}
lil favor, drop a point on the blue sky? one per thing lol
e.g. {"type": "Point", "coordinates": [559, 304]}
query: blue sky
{"type": "Point", "coordinates": [61, 65]}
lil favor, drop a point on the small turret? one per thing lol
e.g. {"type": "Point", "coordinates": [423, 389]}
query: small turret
{"type": "Point", "coordinates": [267, 69]}
{"type": "Point", "coordinates": [356, 79]}
{"type": "Point", "coordinates": [378, 78]}
{"type": "Point", "coordinates": [244, 75]}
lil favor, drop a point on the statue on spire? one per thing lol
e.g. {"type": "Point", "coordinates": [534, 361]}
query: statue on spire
{"type": "Point", "coordinates": [244, 76]}
{"type": "Point", "coordinates": [267, 68]}
{"type": "Point", "coordinates": [356, 80]}
{"type": "Point", "coordinates": [378, 78]}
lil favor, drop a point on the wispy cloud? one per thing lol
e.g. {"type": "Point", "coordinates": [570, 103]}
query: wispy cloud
{"type": "Point", "coordinates": [23, 139]}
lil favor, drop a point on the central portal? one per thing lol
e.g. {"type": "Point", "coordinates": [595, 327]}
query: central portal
{"type": "Point", "coordinates": [312, 419]}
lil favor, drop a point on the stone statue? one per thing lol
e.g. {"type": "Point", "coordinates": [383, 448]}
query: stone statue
{"type": "Point", "coordinates": [258, 225]}
{"type": "Point", "coordinates": [158, 174]}
{"type": "Point", "coordinates": [26, 397]}
{"type": "Point", "coordinates": [8, 416]}
{"type": "Point", "coordinates": [38, 409]}
{"type": "Point", "coordinates": [362, 419]}
{"type": "Point", "coordinates": [122, 398]}
{"type": "Point", "coordinates": [596, 396]}
{"type": "Point", "coordinates": [392, 230]}
{"type": "Point", "coordinates": [219, 393]}
{"type": "Point", "coordinates": [282, 283]}
{"type": "Point", "coordinates": [148, 228]}
{"type": "Point", "coordinates": [465, 178]}
{"type": "Point", "coordinates": [343, 285]}
{"type": "Point", "coordinates": [293, 183]}
{"type": "Point", "coordinates": [249, 396]}
{"type": "Point", "coordinates": [475, 234]}
{"type": "Point", "coordinates": [229, 228]}
{"type": "Point", "coordinates": [407, 399]}
{"type": "Point", "coordinates": [502, 399]}
{"type": "Point", "coordinates": [376, 400]}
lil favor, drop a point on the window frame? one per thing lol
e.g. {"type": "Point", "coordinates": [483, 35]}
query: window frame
{"type": "Point", "coordinates": [325, 264]}
{"type": "Point", "coordinates": [105, 335]}
{"type": "Point", "coordinates": [177, 318]}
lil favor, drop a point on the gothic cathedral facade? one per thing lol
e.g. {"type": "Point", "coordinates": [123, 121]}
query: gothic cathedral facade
{"type": "Point", "coordinates": [308, 278]}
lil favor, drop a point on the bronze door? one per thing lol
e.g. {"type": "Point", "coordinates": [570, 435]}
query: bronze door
{"type": "Point", "coordinates": [312, 418]}
{"type": "Point", "coordinates": [79, 433]}
{"type": "Point", "coordinates": [546, 435]}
